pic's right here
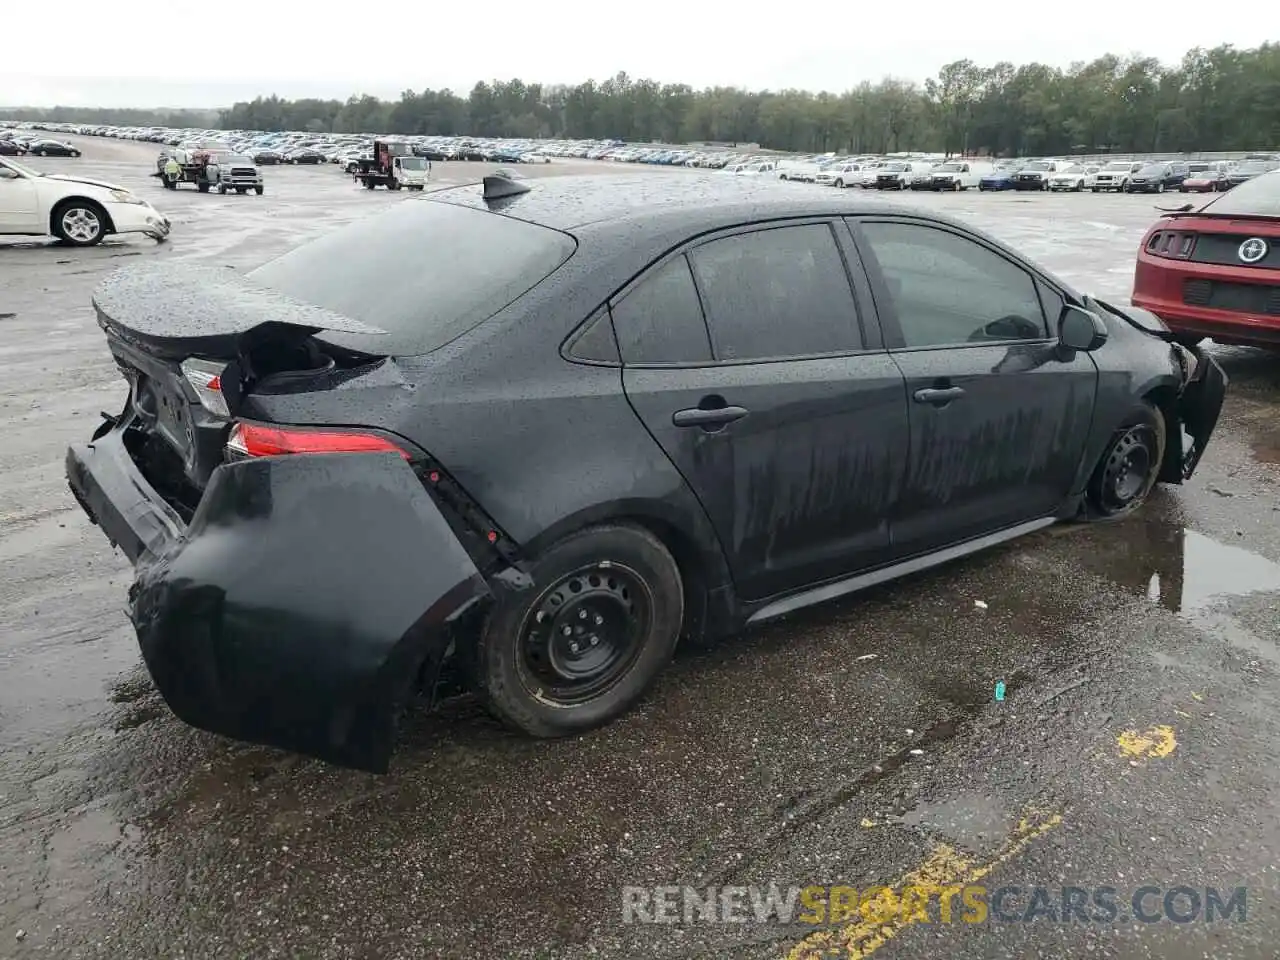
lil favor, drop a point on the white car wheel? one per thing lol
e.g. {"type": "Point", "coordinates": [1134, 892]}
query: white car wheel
{"type": "Point", "coordinates": [80, 224]}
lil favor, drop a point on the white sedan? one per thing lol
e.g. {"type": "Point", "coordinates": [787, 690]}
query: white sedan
{"type": "Point", "coordinates": [75, 210]}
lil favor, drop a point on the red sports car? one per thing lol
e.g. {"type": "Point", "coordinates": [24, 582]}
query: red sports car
{"type": "Point", "coordinates": [1205, 181]}
{"type": "Point", "coordinates": [1215, 272]}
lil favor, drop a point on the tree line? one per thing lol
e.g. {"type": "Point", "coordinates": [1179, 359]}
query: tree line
{"type": "Point", "coordinates": [1217, 99]}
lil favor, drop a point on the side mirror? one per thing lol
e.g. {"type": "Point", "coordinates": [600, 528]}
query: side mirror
{"type": "Point", "coordinates": [1080, 329]}
{"type": "Point", "coordinates": [7, 174]}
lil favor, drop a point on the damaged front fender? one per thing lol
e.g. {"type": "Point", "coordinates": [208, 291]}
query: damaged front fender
{"type": "Point", "coordinates": [302, 601]}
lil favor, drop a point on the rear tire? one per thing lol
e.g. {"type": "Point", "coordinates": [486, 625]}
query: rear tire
{"type": "Point", "coordinates": [1126, 474]}
{"type": "Point", "coordinates": [584, 644]}
{"type": "Point", "coordinates": [258, 190]}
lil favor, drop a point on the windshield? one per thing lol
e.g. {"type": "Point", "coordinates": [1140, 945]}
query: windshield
{"type": "Point", "coordinates": [894, 167]}
{"type": "Point", "coordinates": [1118, 165]}
{"type": "Point", "coordinates": [1075, 169]}
{"type": "Point", "coordinates": [1038, 165]}
{"type": "Point", "coordinates": [412, 163]}
{"type": "Point", "coordinates": [1153, 171]}
{"type": "Point", "coordinates": [235, 158]}
{"type": "Point", "coordinates": [949, 167]}
{"type": "Point", "coordinates": [426, 272]}
{"type": "Point", "coordinates": [1259, 197]}
{"type": "Point", "coordinates": [15, 165]}
{"type": "Point", "coordinates": [1256, 166]}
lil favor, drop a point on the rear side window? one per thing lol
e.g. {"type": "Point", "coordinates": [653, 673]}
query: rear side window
{"type": "Point", "coordinates": [660, 319]}
{"type": "Point", "coordinates": [426, 272]}
{"type": "Point", "coordinates": [781, 292]}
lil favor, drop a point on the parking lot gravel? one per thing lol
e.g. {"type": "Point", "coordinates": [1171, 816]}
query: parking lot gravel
{"type": "Point", "coordinates": [858, 743]}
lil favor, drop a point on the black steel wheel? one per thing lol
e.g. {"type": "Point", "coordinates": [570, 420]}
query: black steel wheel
{"type": "Point", "coordinates": [584, 631]}
{"type": "Point", "coordinates": [581, 646]}
{"type": "Point", "coordinates": [1130, 465]}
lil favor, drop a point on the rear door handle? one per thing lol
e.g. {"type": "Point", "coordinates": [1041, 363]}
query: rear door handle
{"type": "Point", "coordinates": [938, 395]}
{"type": "Point", "coordinates": [700, 417]}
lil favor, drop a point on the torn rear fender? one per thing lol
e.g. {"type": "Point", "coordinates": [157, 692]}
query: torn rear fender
{"type": "Point", "coordinates": [301, 602]}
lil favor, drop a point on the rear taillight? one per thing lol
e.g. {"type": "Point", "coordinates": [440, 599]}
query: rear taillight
{"type": "Point", "coordinates": [205, 377]}
{"type": "Point", "coordinates": [256, 440]}
{"type": "Point", "coordinates": [1174, 244]}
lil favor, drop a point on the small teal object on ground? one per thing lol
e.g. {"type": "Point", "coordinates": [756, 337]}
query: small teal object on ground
{"type": "Point", "coordinates": [999, 690]}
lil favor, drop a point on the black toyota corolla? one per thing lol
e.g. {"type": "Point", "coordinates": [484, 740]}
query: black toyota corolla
{"type": "Point", "coordinates": [545, 428]}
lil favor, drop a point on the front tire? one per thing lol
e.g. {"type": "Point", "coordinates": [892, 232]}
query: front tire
{"type": "Point", "coordinates": [580, 650]}
{"type": "Point", "coordinates": [1127, 472]}
{"type": "Point", "coordinates": [80, 223]}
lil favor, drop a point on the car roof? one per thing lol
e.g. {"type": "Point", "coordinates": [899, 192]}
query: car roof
{"type": "Point", "coordinates": [702, 202]}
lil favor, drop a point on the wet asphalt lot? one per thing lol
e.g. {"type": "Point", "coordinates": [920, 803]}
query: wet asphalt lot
{"type": "Point", "coordinates": [784, 755]}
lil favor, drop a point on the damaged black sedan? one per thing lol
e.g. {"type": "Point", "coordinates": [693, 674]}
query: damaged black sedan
{"type": "Point", "coordinates": [543, 429]}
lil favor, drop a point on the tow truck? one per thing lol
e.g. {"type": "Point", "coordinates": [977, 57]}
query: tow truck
{"type": "Point", "coordinates": [391, 165]}
{"type": "Point", "coordinates": [194, 168]}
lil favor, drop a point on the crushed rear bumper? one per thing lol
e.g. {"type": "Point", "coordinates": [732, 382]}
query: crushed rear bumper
{"type": "Point", "coordinates": [1199, 407]}
{"type": "Point", "coordinates": [298, 606]}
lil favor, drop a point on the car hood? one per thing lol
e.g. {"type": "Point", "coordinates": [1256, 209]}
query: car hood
{"type": "Point", "coordinates": [85, 180]}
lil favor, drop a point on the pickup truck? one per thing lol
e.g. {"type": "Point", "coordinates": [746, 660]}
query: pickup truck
{"type": "Point", "coordinates": [236, 172]}
{"type": "Point", "coordinates": [1035, 175]}
{"type": "Point", "coordinates": [839, 175]}
{"type": "Point", "coordinates": [1115, 175]}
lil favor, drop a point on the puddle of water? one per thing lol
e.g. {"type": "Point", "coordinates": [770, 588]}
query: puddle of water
{"type": "Point", "coordinates": [1213, 571]}
{"type": "Point", "coordinates": [969, 819]}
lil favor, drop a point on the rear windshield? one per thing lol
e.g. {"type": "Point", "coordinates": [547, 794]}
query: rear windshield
{"type": "Point", "coordinates": [1259, 197]}
{"type": "Point", "coordinates": [426, 272]}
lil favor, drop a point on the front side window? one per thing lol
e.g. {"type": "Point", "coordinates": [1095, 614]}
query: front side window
{"type": "Point", "coordinates": [947, 289]}
{"type": "Point", "coordinates": [774, 293]}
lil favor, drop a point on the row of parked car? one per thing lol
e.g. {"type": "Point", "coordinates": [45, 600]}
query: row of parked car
{"type": "Point", "coordinates": [18, 143]}
{"type": "Point", "coordinates": [1046, 174]}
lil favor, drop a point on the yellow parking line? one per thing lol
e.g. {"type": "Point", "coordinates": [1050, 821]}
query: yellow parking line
{"type": "Point", "coordinates": [941, 873]}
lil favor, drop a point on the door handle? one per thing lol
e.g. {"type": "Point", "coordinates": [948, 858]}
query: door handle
{"type": "Point", "coordinates": [703, 417]}
{"type": "Point", "coordinates": [938, 395]}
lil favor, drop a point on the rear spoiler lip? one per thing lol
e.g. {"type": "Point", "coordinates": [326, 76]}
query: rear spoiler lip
{"type": "Point", "coordinates": [182, 310]}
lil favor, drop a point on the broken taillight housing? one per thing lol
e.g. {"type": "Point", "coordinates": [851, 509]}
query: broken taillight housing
{"type": "Point", "coordinates": [1175, 244]}
{"type": "Point", "coordinates": [258, 440]}
{"type": "Point", "coordinates": [205, 377]}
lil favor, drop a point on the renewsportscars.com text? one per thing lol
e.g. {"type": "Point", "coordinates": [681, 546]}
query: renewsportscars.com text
{"type": "Point", "coordinates": [973, 903]}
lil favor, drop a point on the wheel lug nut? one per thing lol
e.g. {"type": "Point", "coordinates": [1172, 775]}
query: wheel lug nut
{"type": "Point", "coordinates": [599, 620]}
{"type": "Point", "coordinates": [567, 630]}
{"type": "Point", "coordinates": [582, 614]}
{"type": "Point", "coordinates": [595, 640]}
{"type": "Point", "coordinates": [573, 647]}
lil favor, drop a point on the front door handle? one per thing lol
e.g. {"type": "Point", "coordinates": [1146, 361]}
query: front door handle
{"type": "Point", "coordinates": [938, 395]}
{"type": "Point", "coordinates": [704, 417]}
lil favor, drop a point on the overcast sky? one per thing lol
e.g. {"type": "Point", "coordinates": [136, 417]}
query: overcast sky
{"type": "Point", "coordinates": [127, 53]}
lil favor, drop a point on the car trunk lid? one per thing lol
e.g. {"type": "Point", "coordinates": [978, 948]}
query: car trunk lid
{"type": "Point", "coordinates": [192, 344]}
